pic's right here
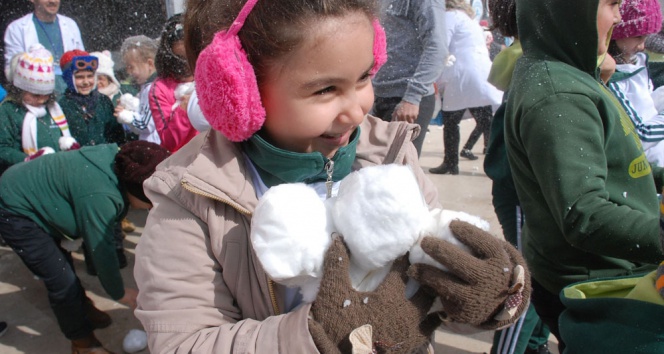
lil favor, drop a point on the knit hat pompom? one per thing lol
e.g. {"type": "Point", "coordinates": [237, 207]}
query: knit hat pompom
{"type": "Point", "coordinates": [639, 18]}
{"type": "Point", "coordinates": [135, 162]}
{"type": "Point", "coordinates": [32, 71]}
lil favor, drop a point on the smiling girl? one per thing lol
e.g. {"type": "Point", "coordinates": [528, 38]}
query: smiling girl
{"type": "Point", "coordinates": [287, 98]}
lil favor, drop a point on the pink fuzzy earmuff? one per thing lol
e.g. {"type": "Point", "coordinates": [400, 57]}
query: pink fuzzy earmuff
{"type": "Point", "coordinates": [226, 82]}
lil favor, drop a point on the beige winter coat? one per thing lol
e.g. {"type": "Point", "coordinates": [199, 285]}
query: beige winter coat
{"type": "Point", "coordinates": [201, 287]}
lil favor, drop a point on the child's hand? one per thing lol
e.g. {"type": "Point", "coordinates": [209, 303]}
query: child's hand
{"type": "Point", "coordinates": [129, 298]}
{"type": "Point", "coordinates": [399, 324]}
{"type": "Point", "coordinates": [184, 102]}
{"type": "Point", "coordinates": [119, 108]}
{"type": "Point", "coordinates": [489, 288]}
{"type": "Point", "coordinates": [607, 68]}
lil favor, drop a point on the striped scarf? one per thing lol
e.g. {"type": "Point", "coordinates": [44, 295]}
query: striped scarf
{"type": "Point", "coordinates": [29, 129]}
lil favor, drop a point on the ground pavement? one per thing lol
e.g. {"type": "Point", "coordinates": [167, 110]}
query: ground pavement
{"type": "Point", "coordinates": [33, 329]}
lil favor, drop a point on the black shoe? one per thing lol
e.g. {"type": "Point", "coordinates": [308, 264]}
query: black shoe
{"type": "Point", "coordinates": [444, 169]}
{"type": "Point", "coordinates": [122, 259]}
{"type": "Point", "coordinates": [3, 328]}
{"type": "Point", "coordinates": [542, 349]}
{"type": "Point", "coordinates": [468, 154]}
{"type": "Point", "coordinates": [97, 317]}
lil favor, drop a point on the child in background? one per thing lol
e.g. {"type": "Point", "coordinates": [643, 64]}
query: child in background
{"type": "Point", "coordinates": [107, 84]}
{"type": "Point", "coordinates": [631, 83]}
{"type": "Point", "coordinates": [31, 121]}
{"type": "Point", "coordinates": [168, 111]}
{"type": "Point", "coordinates": [138, 54]}
{"type": "Point", "coordinates": [308, 83]}
{"type": "Point", "coordinates": [89, 113]}
{"type": "Point", "coordinates": [583, 181]}
{"type": "Point", "coordinates": [463, 85]}
{"type": "Point", "coordinates": [48, 206]}
{"type": "Point", "coordinates": [528, 335]}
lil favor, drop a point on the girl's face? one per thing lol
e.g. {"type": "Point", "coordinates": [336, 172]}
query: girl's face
{"type": "Point", "coordinates": [84, 80]}
{"type": "Point", "coordinates": [317, 95]}
{"type": "Point", "coordinates": [630, 46]}
{"type": "Point", "coordinates": [140, 70]}
{"type": "Point", "coordinates": [34, 100]}
{"type": "Point", "coordinates": [103, 81]}
{"type": "Point", "coordinates": [608, 15]}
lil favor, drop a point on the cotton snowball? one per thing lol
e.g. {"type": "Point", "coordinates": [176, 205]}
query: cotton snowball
{"type": "Point", "coordinates": [135, 341]}
{"type": "Point", "coordinates": [290, 234]}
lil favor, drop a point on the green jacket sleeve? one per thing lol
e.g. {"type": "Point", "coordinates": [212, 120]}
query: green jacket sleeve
{"type": "Point", "coordinates": [565, 139]}
{"type": "Point", "coordinates": [113, 131]}
{"type": "Point", "coordinates": [11, 151]}
{"type": "Point", "coordinates": [96, 216]}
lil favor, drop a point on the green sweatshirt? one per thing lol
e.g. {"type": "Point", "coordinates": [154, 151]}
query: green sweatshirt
{"type": "Point", "coordinates": [99, 127]}
{"type": "Point", "coordinates": [72, 194]}
{"type": "Point", "coordinates": [586, 188]}
{"type": "Point", "coordinates": [11, 125]}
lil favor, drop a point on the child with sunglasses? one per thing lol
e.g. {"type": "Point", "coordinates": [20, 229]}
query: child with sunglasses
{"type": "Point", "coordinates": [89, 113]}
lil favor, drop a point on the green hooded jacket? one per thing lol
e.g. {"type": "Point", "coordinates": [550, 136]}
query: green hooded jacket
{"type": "Point", "coordinates": [585, 186]}
{"type": "Point", "coordinates": [72, 194]}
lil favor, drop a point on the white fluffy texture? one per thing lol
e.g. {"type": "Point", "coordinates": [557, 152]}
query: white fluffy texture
{"type": "Point", "coordinates": [135, 341]}
{"type": "Point", "coordinates": [129, 102]}
{"type": "Point", "coordinates": [125, 117]}
{"type": "Point", "coordinates": [66, 142]}
{"type": "Point", "coordinates": [47, 150]}
{"type": "Point", "coordinates": [290, 234]}
{"type": "Point", "coordinates": [438, 226]}
{"type": "Point", "coordinates": [379, 211]}
{"type": "Point", "coordinates": [183, 89]}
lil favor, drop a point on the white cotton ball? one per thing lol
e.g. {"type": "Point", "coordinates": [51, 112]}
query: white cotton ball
{"type": "Point", "coordinates": [438, 225]}
{"type": "Point", "coordinates": [183, 89]}
{"type": "Point", "coordinates": [135, 341]}
{"type": "Point", "coordinates": [125, 117]}
{"type": "Point", "coordinates": [65, 143]}
{"type": "Point", "coordinates": [379, 212]}
{"type": "Point", "coordinates": [47, 150]}
{"type": "Point", "coordinates": [289, 233]}
{"type": "Point", "coordinates": [130, 102]}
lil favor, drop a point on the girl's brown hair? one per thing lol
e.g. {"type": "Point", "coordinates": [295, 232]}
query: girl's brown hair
{"type": "Point", "coordinates": [503, 17]}
{"type": "Point", "coordinates": [167, 63]}
{"type": "Point", "coordinates": [460, 5]}
{"type": "Point", "coordinates": [272, 29]}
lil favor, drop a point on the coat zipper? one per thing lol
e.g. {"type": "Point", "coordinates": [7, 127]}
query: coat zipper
{"type": "Point", "coordinates": [270, 283]}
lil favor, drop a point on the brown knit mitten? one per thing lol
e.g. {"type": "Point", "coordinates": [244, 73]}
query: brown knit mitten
{"type": "Point", "coordinates": [487, 289]}
{"type": "Point", "coordinates": [399, 325]}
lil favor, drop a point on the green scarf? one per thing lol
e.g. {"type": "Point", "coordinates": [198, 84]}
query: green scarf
{"type": "Point", "coordinates": [277, 166]}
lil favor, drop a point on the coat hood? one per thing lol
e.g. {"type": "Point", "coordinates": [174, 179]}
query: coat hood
{"type": "Point", "coordinates": [560, 30]}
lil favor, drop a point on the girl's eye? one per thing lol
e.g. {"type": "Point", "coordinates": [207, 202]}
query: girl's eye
{"type": "Point", "coordinates": [325, 90]}
{"type": "Point", "coordinates": [365, 77]}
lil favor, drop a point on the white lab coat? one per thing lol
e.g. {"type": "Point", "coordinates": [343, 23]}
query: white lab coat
{"type": "Point", "coordinates": [22, 33]}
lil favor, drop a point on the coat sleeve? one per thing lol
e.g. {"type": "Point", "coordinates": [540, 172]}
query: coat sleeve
{"type": "Point", "coordinates": [14, 43]}
{"type": "Point", "coordinates": [429, 18]}
{"type": "Point", "coordinates": [166, 118]}
{"type": "Point", "coordinates": [185, 302]}
{"type": "Point", "coordinates": [11, 151]}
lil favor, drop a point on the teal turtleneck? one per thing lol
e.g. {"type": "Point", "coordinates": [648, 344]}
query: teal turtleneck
{"type": "Point", "coordinates": [277, 166]}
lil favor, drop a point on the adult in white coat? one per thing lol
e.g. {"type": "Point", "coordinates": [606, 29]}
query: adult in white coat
{"type": "Point", "coordinates": [57, 33]}
{"type": "Point", "coordinates": [463, 85]}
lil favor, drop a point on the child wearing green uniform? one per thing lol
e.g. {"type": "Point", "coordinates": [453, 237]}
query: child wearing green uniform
{"type": "Point", "coordinates": [583, 181]}
{"type": "Point", "coordinates": [79, 195]}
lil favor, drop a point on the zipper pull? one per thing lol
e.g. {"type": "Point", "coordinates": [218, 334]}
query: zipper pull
{"type": "Point", "coordinates": [329, 169]}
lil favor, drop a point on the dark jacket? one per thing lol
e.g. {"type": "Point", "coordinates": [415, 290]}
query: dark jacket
{"type": "Point", "coordinates": [72, 194]}
{"type": "Point", "coordinates": [584, 183]}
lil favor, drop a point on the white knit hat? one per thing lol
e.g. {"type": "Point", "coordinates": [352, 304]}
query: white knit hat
{"type": "Point", "coordinates": [106, 65]}
{"type": "Point", "coordinates": [33, 71]}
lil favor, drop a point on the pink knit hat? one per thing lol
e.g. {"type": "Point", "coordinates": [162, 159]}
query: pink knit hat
{"type": "Point", "coordinates": [639, 18]}
{"type": "Point", "coordinates": [226, 84]}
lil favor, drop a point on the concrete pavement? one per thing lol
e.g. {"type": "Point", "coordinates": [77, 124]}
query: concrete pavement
{"type": "Point", "coordinates": [33, 329]}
